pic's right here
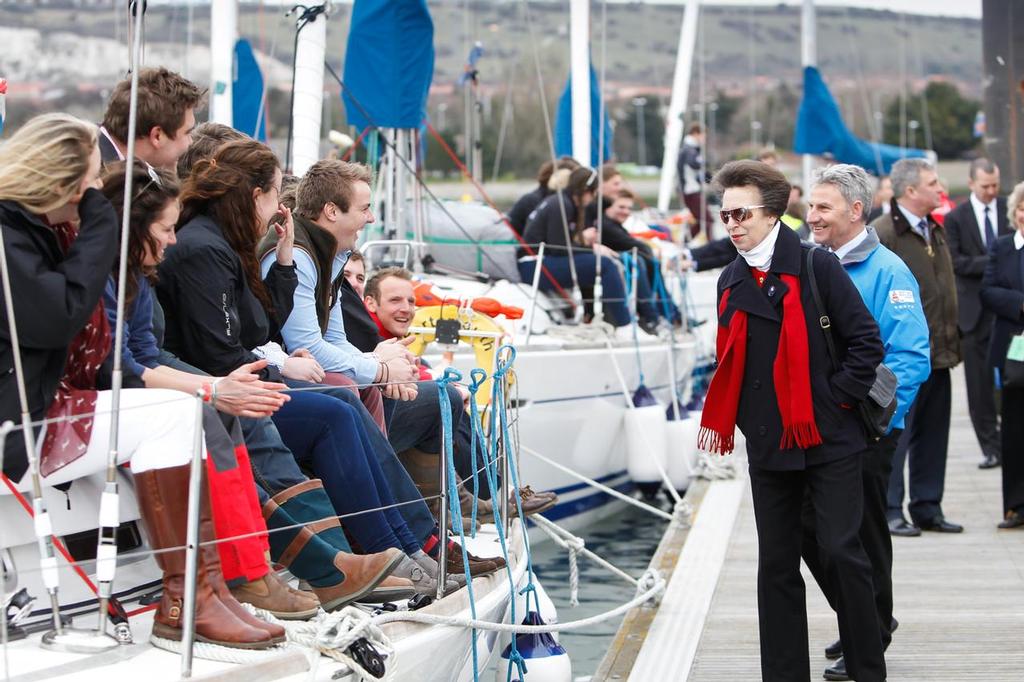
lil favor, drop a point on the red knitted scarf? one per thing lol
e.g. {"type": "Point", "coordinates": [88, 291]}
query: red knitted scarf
{"type": "Point", "coordinates": [791, 373]}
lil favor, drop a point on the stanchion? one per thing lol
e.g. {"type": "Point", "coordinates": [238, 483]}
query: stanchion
{"type": "Point", "coordinates": [188, 623]}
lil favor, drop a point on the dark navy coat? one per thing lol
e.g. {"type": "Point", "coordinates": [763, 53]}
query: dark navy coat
{"type": "Point", "coordinates": [1002, 292]}
{"type": "Point", "coordinates": [858, 343]}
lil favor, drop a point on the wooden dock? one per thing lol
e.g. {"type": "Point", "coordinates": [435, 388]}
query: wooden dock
{"type": "Point", "coordinates": [959, 598]}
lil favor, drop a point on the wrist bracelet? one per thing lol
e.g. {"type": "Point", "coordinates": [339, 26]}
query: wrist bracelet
{"type": "Point", "coordinates": [213, 390]}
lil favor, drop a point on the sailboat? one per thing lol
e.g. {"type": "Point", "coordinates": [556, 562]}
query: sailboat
{"type": "Point", "coordinates": [569, 403]}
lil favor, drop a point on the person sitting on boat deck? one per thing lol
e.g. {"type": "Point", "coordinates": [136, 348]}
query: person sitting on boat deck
{"type": "Point", "coordinates": [612, 181]}
{"type": "Point", "coordinates": [355, 272]}
{"type": "Point", "coordinates": [218, 307]}
{"type": "Point", "coordinates": [839, 198]}
{"type": "Point", "coordinates": [559, 222]}
{"type": "Point", "coordinates": [332, 206]}
{"type": "Point", "coordinates": [776, 382]}
{"type": "Point", "coordinates": [614, 235]}
{"type": "Point", "coordinates": [551, 177]}
{"type": "Point", "coordinates": [206, 138]}
{"type": "Point", "coordinates": [164, 120]}
{"type": "Point", "coordinates": [335, 574]}
{"type": "Point", "coordinates": [60, 234]}
{"type": "Point", "coordinates": [913, 235]}
{"type": "Point", "coordinates": [1002, 292]}
{"type": "Point", "coordinates": [391, 303]}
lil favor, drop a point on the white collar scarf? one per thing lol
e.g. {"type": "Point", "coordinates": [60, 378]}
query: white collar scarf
{"type": "Point", "coordinates": [760, 256]}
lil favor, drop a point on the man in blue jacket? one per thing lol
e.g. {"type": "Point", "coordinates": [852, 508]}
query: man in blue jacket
{"type": "Point", "coordinates": [839, 202]}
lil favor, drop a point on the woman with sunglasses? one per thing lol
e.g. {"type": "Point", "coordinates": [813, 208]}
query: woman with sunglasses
{"type": "Point", "coordinates": [563, 215]}
{"type": "Point", "coordinates": [218, 308]}
{"type": "Point", "coordinates": [776, 382]}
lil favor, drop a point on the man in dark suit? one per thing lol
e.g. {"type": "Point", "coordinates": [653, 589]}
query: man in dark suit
{"type": "Point", "coordinates": [911, 233]}
{"type": "Point", "coordinates": [971, 228]}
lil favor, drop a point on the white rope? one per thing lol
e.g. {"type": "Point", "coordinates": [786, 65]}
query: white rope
{"type": "Point", "coordinates": [573, 544]}
{"type": "Point", "coordinates": [682, 514]}
{"type": "Point", "coordinates": [648, 581]}
{"type": "Point", "coordinates": [715, 470]}
{"type": "Point", "coordinates": [600, 486]}
{"type": "Point", "coordinates": [657, 587]}
{"type": "Point", "coordinates": [221, 654]}
{"type": "Point", "coordinates": [331, 634]}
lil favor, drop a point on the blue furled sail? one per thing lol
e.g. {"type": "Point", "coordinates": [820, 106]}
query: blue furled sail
{"type": "Point", "coordinates": [820, 130]}
{"type": "Point", "coordinates": [247, 93]}
{"type": "Point", "coordinates": [389, 62]}
{"type": "Point", "coordinates": [563, 122]}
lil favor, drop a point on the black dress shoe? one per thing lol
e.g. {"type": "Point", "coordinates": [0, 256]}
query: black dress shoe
{"type": "Point", "coordinates": [939, 524]}
{"type": "Point", "coordinates": [903, 528]}
{"type": "Point", "coordinates": [1013, 519]}
{"type": "Point", "coordinates": [834, 650]}
{"type": "Point", "coordinates": [836, 671]}
{"type": "Point", "coordinates": [989, 462]}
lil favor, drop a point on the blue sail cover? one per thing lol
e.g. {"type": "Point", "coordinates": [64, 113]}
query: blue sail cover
{"type": "Point", "coordinates": [820, 130]}
{"type": "Point", "coordinates": [563, 122]}
{"type": "Point", "coordinates": [389, 62]}
{"type": "Point", "coordinates": [247, 93]}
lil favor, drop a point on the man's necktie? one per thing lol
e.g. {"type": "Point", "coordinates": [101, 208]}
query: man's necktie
{"type": "Point", "coordinates": [990, 234]}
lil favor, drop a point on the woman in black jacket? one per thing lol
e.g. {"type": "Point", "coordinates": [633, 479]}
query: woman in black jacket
{"type": "Point", "coordinates": [565, 212]}
{"type": "Point", "coordinates": [776, 382]}
{"type": "Point", "coordinates": [1002, 292]}
{"type": "Point", "coordinates": [49, 177]}
{"type": "Point", "coordinates": [218, 308]}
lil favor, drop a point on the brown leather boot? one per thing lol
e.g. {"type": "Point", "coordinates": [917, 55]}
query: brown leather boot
{"type": "Point", "coordinates": [477, 565]}
{"type": "Point", "coordinates": [164, 510]}
{"type": "Point", "coordinates": [423, 470]}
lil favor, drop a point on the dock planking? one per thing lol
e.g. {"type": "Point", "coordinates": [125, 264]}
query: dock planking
{"type": "Point", "coordinates": [959, 599]}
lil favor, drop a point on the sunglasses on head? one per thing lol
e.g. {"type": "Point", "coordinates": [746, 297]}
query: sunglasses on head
{"type": "Point", "coordinates": [154, 177]}
{"type": "Point", "coordinates": [738, 214]}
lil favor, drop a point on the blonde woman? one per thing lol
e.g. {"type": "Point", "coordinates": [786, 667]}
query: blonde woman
{"type": "Point", "coordinates": [60, 235]}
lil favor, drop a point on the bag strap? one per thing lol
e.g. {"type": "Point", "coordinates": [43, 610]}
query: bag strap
{"type": "Point", "coordinates": [823, 318]}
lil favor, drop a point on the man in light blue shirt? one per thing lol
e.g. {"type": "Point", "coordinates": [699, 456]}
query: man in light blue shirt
{"type": "Point", "coordinates": [332, 206]}
{"type": "Point", "coordinates": [838, 203]}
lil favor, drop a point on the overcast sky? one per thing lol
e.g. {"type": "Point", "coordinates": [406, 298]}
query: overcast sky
{"type": "Point", "coordinates": [956, 8]}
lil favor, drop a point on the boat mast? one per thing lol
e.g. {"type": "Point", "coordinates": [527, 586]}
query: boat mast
{"type": "Point", "coordinates": [223, 36]}
{"type": "Point", "coordinates": [579, 69]}
{"type": "Point", "coordinates": [808, 57]}
{"type": "Point", "coordinates": [308, 93]}
{"type": "Point", "coordinates": [678, 103]}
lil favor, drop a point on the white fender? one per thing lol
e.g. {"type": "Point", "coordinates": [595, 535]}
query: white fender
{"type": "Point", "coordinates": [645, 442]}
{"type": "Point", "coordinates": [681, 451]}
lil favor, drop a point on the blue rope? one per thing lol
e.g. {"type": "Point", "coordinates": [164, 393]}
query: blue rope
{"type": "Point", "coordinates": [455, 509]}
{"type": "Point", "coordinates": [627, 261]}
{"type": "Point", "coordinates": [490, 466]}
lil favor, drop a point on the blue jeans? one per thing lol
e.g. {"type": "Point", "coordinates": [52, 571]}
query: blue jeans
{"type": "Point", "coordinates": [649, 306]}
{"type": "Point", "coordinates": [417, 423]}
{"type": "Point", "coordinates": [325, 435]}
{"type": "Point", "coordinates": [613, 286]}
{"type": "Point", "coordinates": [415, 511]}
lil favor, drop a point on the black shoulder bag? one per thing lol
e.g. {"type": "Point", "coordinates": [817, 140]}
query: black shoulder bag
{"type": "Point", "coordinates": [877, 409]}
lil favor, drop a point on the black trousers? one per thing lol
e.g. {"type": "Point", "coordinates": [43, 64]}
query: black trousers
{"type": "Point", "coordinates": [876, 465]}
{"type": "Point", "coordinates": [836, 496]}
{"type": "Point", "coordinates": [981, 401]}
{"type": "Point", "coordinates": [924, 442]}
{"type": "Point", "coordinates": [1013, 449]}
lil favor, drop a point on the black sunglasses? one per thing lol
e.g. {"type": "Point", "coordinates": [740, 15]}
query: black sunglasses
{"type": "Point", "coordinates": [738, 214]}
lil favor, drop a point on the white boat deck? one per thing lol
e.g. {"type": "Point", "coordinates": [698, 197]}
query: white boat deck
{"type": "Point", "coordinates": [959, 598]}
